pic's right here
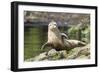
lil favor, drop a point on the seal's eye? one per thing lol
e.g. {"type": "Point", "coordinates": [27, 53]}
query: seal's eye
{"type": "Point", "coordinates": [55, 24]}
{"type": "Point", "coordinates": [49, 24]}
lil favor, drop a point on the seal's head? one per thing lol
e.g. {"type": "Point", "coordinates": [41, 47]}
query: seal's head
{"type": "Point", "coordinates": [52, 26]}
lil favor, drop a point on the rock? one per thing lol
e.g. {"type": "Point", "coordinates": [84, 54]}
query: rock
{"type": "Point", "coordinates": [53, 55]}
{"type": "Point", "coordinates": [75, 53]}
{"type": "Point", "coordinates": [30, 60]}
{"type": "Point", "coordinates": [85, 50]}
{"type": "Point", "coordinates": [56, 55]}
{"type": "Point", "coordinates": [63, 53]}
{"type": "Point", "coordinates": [79, 52]}
{"type": "Point", "coordinates": [52, 52]}
{"type": "Point", "coordinates": [83, 57]}
{"type": "Point", "coordinates": [42, 56]}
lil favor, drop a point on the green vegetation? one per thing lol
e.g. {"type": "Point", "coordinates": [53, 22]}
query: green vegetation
{"type": "Point", "coordinates": [81, 33]}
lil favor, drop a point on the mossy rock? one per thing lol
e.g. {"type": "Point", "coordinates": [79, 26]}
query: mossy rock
{"type": "Point", "coordinates": [75, 53]}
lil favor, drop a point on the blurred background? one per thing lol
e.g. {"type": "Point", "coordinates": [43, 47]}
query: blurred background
{"type": "Point", "coordinates": [75, 25]}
